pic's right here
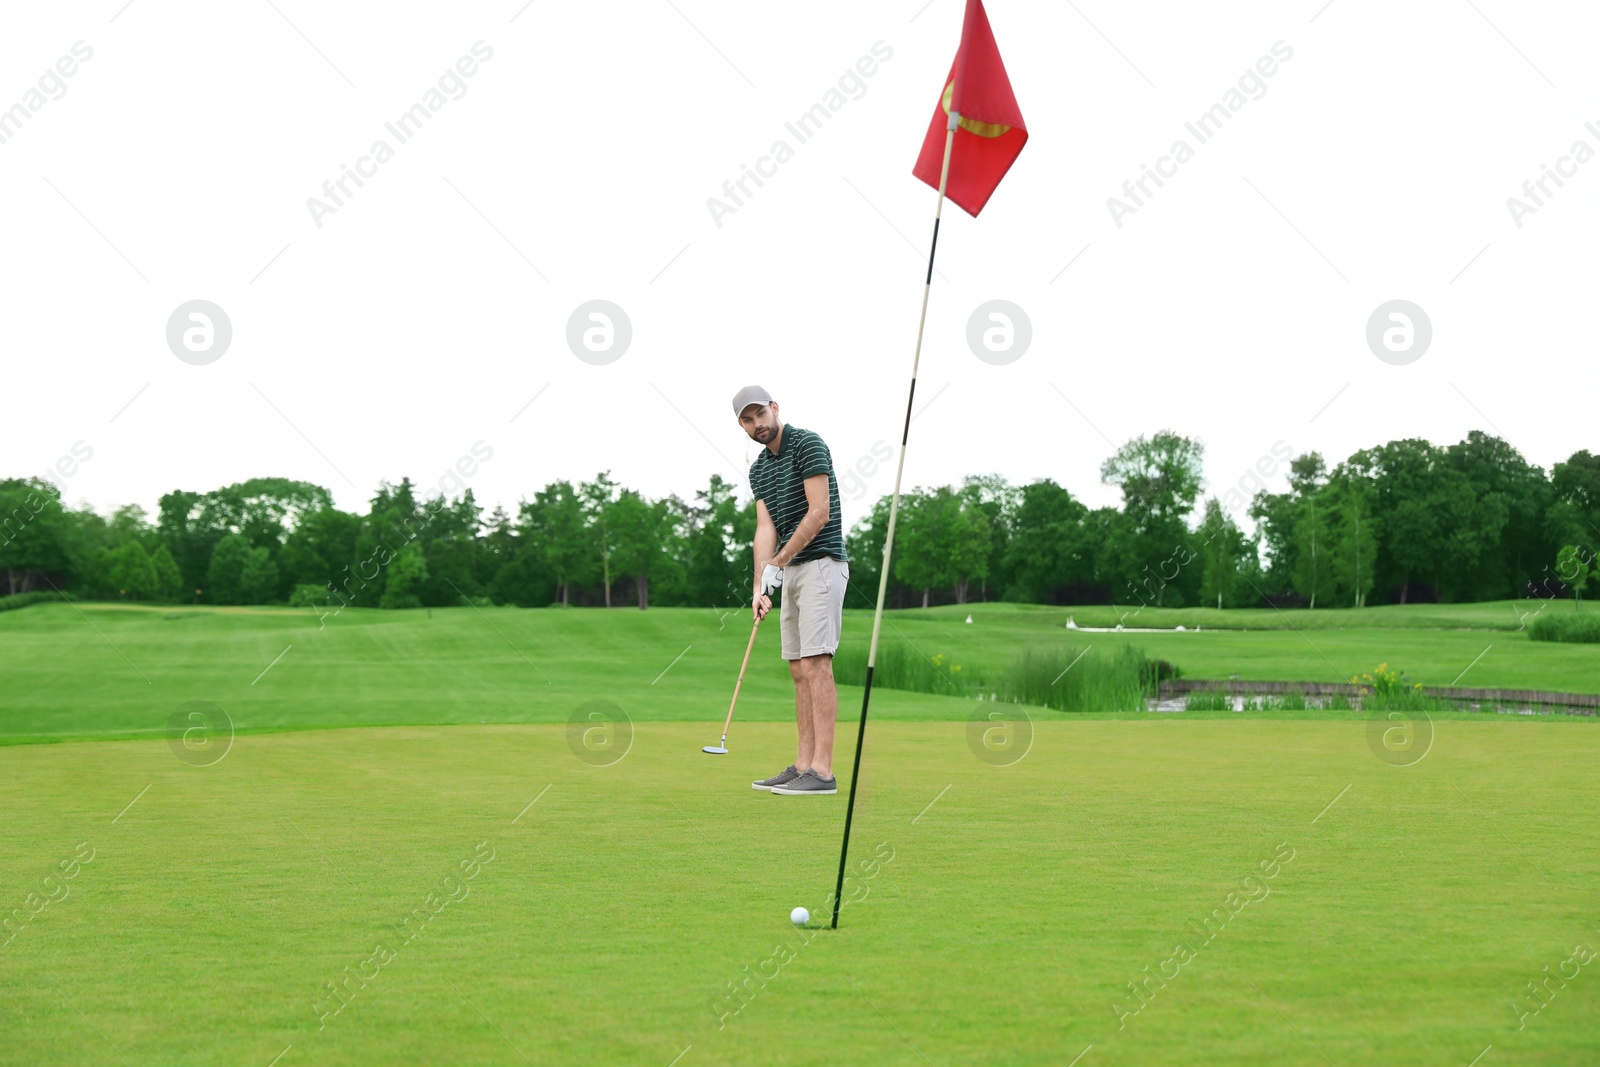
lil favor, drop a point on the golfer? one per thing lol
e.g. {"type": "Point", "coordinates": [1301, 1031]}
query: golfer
{"type": "Point", "coordinates": [799, 544]}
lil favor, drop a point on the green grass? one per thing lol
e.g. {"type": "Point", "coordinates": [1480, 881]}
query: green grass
{"type": "Point", "coordinates": [103, 671]}
{"type": "Point", "coordinates": [1018, 904]}
{"type": "Point", "coordinates": [1433, 644]}
{"type": "Point", "coordinates": [120, 672]}
{"type": "Point", "coordinates": [1001, 914]}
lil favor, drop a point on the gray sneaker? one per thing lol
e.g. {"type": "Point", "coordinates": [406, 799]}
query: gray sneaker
{"type": "Point", "coordinates": [807, 784]}
{"type": "Point", "coordinates": [783, 777]}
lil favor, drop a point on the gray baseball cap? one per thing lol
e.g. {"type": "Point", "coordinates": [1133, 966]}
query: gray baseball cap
{"type": "Point", "coordinates": [750, 394]}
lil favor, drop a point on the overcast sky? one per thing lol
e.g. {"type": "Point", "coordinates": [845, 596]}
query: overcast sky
{"type": "Point", "coordinates": [427, 309]}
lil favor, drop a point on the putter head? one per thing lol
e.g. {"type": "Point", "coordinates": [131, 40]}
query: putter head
{"type": "Point", "coordinates": [715, 750]}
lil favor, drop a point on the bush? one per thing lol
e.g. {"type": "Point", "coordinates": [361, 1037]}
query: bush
{"type": "Point", "coordinates": [306, 595]}
{"type": "Point", "coordinates": [1579, 628]}
{"type": "Point", "coordinates": [23, 600]}
{"type": "Point", "coordinates": [1157, 671]}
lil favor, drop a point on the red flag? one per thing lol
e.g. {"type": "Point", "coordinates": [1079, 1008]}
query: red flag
{"type": "Point", "coordinates": [990, 134]}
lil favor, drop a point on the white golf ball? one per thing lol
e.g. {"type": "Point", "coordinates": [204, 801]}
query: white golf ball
{"type": "Point", "coordinates": [799, 916]}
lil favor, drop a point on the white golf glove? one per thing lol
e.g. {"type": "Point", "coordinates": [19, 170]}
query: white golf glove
{"type": "Point", "coordinates": [771, 578]}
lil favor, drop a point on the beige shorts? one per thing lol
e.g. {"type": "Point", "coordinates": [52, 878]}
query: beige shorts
{"type": "Point", "coordinates": [812, 613]}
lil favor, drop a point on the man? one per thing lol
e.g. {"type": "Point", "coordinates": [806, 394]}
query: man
{"type": "Point", "coordinates": [800, 545]}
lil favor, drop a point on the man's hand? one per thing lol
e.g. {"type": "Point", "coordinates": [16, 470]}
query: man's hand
{"type": "Point", "coordinates": [771, 578]}
{"type": "Point", "coordinates": [760, 606]}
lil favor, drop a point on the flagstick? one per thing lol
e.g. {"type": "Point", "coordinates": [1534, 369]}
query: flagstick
{"type": "Point", "coordinates": [894, 510]}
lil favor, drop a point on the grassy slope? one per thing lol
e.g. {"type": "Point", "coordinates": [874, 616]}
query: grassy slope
{"type": "Point", "coordinates": [1012, 915]}
{"type": "Point", "coordinates": [106, 671]}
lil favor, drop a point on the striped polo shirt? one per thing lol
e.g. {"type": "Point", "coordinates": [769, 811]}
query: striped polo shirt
{"type": "Point", "coordinates": [780, 481]}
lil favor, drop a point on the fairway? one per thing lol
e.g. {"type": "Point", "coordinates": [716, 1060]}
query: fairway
{"type": "Point", "coordinates": [105, 671]}
{"type": "Point", "coordinates": [1005, 909]}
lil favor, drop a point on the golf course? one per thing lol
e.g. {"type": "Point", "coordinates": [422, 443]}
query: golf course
{"type": "Point", "coordinates": [877, 564]}
{"type": "Point", "coordinates": [274, 835]}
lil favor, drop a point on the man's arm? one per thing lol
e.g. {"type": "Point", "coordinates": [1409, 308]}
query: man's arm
{"type": "Point", "coordinates": [816, 517]}
{"type": "Point", "coordinates": [766, 540]}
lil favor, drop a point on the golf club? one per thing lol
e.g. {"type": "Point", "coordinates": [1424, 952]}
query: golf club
{"type": "Point", "coordinates": [721, 747]}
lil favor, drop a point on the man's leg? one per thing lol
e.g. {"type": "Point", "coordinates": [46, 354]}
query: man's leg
{"type": "Point", "coordinates": [789, 629]}
{"type": "Point", "coordinates": [824, 712]}
{"type": "Point", "coordinates": [803, 719]}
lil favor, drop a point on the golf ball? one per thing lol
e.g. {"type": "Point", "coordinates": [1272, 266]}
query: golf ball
{"type": "Point", "coordinates": [799, 916]}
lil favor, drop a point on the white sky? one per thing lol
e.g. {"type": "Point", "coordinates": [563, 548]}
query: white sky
{"type": "Point", "coordinates": [428, 310]}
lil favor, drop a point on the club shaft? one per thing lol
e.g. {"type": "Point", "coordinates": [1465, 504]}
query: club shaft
{"type": "Point", "coordinates": [747, 650]}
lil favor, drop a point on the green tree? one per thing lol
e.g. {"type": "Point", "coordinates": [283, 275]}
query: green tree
{"type": "Point", "coordinates": [1351, 546]}
{"type": "Point", "coordinates": [638, 529]}
{"type": "Point", "coordinates": [451, 546]}
{"type": "Point", "coordinates": [1575, 566]}
{"type": "Point", "coordinates": [499, 545]}
{"type": "Point", "coordinates": [318, 551]}
{"type": "Point", "coordinates": [128, 573]}
{"type": "Point", "coordinates": [190, 542]}
{"type": "Point", "coordinates": [714, 574]}
{"type": "Point", "coordinates": [33, 534]}
{"type": "Point", "coordinates": [942, 541]}
{"type": "Point", "coordinates": [1274, 518]}
{"type": "Point", "coordinates": [1403, 475]}
{"type": "Point", "coordinates": [1311, 529]}
{"type": "Point", "coordinates": [1512, 557]}
{"type": "Point", "coordinates": [599, 504]}
{"type": "Point", "coordinates": [258, 578]}
{"type": "Point", "coordinates": [553, 525]}
{"type": "Point", "coordinates": [1160, 478]}
{"type": "Point", "coordinates": [407, 576]}
{"type": "Point", "coordinates": [393, 522]}
{"type": "Point", "coordinates": [916, 559]}
{"type": "Point", "coordinates": [1047, 555]}
{"type": "Point", "coordinates": [864, 543]}
{"type": "Point", "coordinates": [1223, 550]}
{"type": "Point", "coordinates": [524, 580]}
{"type": "Point", "coordinates": [168, 579]}
{"type": "Point", "coordinates": [227, 565]}
{"type": "Point", "coordinates": [1572, 516]}
{"type": "Point", "coordinates": [999, 501]}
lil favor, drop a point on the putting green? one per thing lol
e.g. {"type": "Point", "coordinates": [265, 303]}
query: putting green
{"type": "Point", "coordinates": [1003, 912]}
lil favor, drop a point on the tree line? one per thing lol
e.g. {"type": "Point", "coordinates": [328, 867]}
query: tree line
{"type": "Point", "coordinates": [1404, 521]}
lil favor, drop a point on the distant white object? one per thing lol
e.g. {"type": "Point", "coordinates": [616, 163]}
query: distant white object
{"type": "Point", "coordinates": [1070, 624]}
{"type": "Point", "coordinates": [1180, 628]}
{"type": "Point", "coordinates": [1119, 626]}
{"type": "Point", "coordinates": [799, 916]}
{"type": "Point", "coordinates": [969, 618]}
